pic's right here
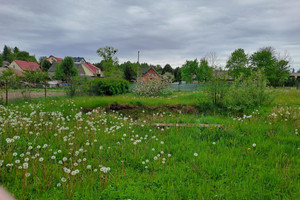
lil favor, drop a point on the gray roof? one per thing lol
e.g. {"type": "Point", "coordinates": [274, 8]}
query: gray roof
{"type": "Point", "coordinates": [52, 67]}
{"type": "Point", "coordinates": [79, 59]}
{"type": "Point", "coordinates": [80, 69]}
{"type": "Point", "coordinates": [81, 72]}
{"type": "Point", "coordinates": [145, 70]}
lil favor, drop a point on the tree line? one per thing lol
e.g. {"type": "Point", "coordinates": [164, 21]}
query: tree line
{"type": "Point", "coordinates": [275, 66]}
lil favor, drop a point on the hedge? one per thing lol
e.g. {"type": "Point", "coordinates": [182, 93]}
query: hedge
{"type": "Point", "coordinates": [109, 86]}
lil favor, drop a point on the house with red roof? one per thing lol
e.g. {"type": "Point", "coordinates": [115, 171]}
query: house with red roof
{"type": "Point", "coordinates": [91, 70]}
{"type": "Point", "coordinates": [296, 75]}
{"type": "Point", "coordinates": [19, 66]}
{"type": "Point", "coordinates": [53, 59]}
{"type": "Point", "coordinates": [150, 74]}
{"type": "Point", "coordinates": [84, 68]}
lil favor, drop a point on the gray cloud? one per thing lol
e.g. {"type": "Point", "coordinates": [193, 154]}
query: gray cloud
{"type": "Point", "coordinates": [169, 31]}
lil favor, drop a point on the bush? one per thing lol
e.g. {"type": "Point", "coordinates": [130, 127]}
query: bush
{"type": "Point", "coordinates": [153, 87]}
{"type": "Point", "coordinates": [216, 89]}
{"type": "Point", "coordinates": [80, 87]}
{"type": "Point", "coordinates": [109, 86]}
{"type": "Point", "coordinates": [247, 93]}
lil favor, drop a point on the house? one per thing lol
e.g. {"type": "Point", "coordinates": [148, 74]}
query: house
{"type": "Point", "coordinates": [5, 64]}
{"type": "Point", "coordinates": [150, 74]}
{"type": "Point", "coordinates": [92, 70]}
{"type": "Point", "coordinates": [19, 66]}
{"type": "Point", "coordinates": [84, 69]}
{"type": "Point", "coordinates": [78, 60]}
{"type": "Point", "coordinates": [296, 75]}
{"type": "Point", "coordinates": [53, 59]}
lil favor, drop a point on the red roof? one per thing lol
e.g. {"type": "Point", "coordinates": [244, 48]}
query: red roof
{"type": "Point", "coordinates": [27, 65]}
{"type": "Point", "coordinates": [295, 74]}
{"type": "Point", "coordinates": [91, 67]}
{"type": "Point", "coordinates": [58, 59]}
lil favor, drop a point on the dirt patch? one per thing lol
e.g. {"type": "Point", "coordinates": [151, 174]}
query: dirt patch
{"type": "Point", "coordinates": [133, 108]}
{"type": "Point", "coordinates": [121, 106]}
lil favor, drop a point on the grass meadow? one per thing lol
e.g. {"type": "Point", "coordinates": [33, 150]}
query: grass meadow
{"type": "Point", "coordinates": [61, 148]}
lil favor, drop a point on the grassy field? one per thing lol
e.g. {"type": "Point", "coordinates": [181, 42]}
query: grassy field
{"type": "Point", "coordinates": [58, 149]}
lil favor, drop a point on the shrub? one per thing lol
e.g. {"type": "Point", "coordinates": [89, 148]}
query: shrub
{"type": "Point", "coordinates": [216, 89]}
{"type": "Point", "coordinates": [247, 93]}
{"type": "Point", "coordinates": [80, 86]}
{"type": "Point", "coordinates": [153, 87]}
{"type": "Point", "coordinates": [109, 86]}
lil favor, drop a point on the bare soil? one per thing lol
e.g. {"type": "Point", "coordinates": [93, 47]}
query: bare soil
{"type": "Point", "coordinates": [176, 108]}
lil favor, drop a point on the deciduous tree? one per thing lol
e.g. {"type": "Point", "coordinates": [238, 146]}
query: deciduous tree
{"type": "Point", "coordinates": [45, 65]}
{"type": "Point", "coordinates": [237, 64]}
{"type": "Point", "coordinates": [108, 54]}
{"type": "Point", "coordinates": [8, 77]}
{"type": "Point", "coordinates": [129, 71]}
{"type": "Point", "coordinates": [66, 69]}
{"type": "Point", "coordinates": [205, 72]}
{"type": "Point", "coordinates": [189, 70]}
{"type": "Point", "coordinates": [275, 69]}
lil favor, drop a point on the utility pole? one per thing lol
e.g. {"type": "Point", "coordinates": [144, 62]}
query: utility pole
{"type": "Point", "coordinates": [138, 66]}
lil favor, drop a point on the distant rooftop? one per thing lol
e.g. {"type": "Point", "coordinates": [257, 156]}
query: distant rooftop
{"type": "Point", "coordinates": [79, 59]}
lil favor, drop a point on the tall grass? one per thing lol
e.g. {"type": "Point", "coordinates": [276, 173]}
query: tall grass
{"type": "Point", "coordinates": [252, 157]}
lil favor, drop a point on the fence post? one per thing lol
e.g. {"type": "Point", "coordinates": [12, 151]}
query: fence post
{"type": "Point", "coordinates": [45, 88]}
{"type": "Point", "coordinates": [6, 92]}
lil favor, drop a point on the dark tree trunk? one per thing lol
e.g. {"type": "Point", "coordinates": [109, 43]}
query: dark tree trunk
{"type": "Point", "coordinates": [45, 83]}
{"type": "Point", "coordinates": [6, 92]}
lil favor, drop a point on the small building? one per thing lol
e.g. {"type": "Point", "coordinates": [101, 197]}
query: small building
{"type": "Point", "coordinates": [296, 75]}
{"type": "Point", "coordinates": [92, 70]}
{"type": "Point", "coordinates": [53, 84]}
{"type": "Point", "coordinates": [78, 60]}
{"type": "Point", "coordinates": [150, 74]}
{"type": "Point", "coordinates": [5, 64]}
{"type": "Point", "coordinates": [84, 69]}
{"type": "Point", "coordinates": [53, 59]}
{"type": "Point", "coordinates": [19, 66]}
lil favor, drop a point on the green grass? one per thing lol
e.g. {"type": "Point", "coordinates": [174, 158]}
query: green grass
{"type": "Point", "coordinates": [184, 98]}
{"type": "Point", "coordinates": [287, 96]}
{"type": "Point", "coordinates": [252, 157]}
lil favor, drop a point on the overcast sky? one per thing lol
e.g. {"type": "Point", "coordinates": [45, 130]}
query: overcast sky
{"type": "Point", "coordinates": [165, 31]}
